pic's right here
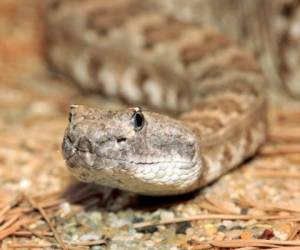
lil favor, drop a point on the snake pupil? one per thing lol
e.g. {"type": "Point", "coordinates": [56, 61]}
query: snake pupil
{"type": "Point", "coordinates": [138, 121]}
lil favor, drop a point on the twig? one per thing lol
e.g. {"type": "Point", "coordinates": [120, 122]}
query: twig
{"type": "Point", "coordinates": [44, 215]}
{"type": "Point", "coordinates": [17, 199]}
{"type": "Point", "coordinates": [86, 243]}
{"type": "Point", "coordinates": [3, 212]}
{"type": "Point", "coordinates": [10, 222]}
{"type": "Point", "coordinates": [285, 135]}
{"type": "Point", "coordinates": [30, 245]}
{"type": "Point", "coordinates": [14, 227]}
{"type": "Point", "coordinates": [278, 174]}
{"type": "Point", "coordinates": [37, 234]}
{"type": "Point", "coordinates": [30, 233]}
{"type": "Point", "coordinates": [281, 149]}
{"type": "Point", "coordinates": [216, 217]}
{"type": "Point", "coordinates": [288, 116]}
{"type": "Point", "coordinates": [257, 243]}
{"type": "Point", "coordinates": [285, 248]}
{"type": "Point", "coordinates": [220, 205]}
{"type": "Point", "coordinates": [294, 231]}
{"type": "Point", "coordinates": [269, 206]}
{"type": "Point", "coordinates": [210, 207]}
{"type": "Point", "coordinates": [203, 247]}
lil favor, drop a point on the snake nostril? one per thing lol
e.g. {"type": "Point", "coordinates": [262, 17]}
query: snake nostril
{"type": "Point", "coordinates": [85, 145]}
{"type": "Point", "coordinates": [70, 138]}
{"type": "Point", "coordinates": [70, 117]}
{"type": "Point", "coordinates": [67, 147]}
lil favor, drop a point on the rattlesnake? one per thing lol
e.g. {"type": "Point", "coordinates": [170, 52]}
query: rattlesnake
{"type": "Point", "coordinates": [213, 91]}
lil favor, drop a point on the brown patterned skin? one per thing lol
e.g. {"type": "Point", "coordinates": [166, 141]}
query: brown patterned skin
{"type": "Point", "coordinates": [145, 57]}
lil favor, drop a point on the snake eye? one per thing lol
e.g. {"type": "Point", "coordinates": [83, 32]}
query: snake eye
{"type": "Point", "coordinates": [138, 120]}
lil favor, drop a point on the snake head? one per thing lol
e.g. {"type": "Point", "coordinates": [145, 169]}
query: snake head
{"type": "Point", "coordinates": [131, 149]}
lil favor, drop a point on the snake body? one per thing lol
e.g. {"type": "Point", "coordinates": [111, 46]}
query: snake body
{"type": "Point", "coordinates": [213, 90]}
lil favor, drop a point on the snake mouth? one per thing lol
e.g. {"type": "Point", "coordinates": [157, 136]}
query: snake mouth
{"type": "Point", "coordinates": [71, 150]}
{"type": "Point", "coordinates": [142, 162]}
{"type": "Point", "coordinates": [83, 148]}
{"type": "Point", "coordinates": [82, 154]}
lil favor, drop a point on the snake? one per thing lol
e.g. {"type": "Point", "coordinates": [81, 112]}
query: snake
{"type": "Point", "coordinates": [197, 105]}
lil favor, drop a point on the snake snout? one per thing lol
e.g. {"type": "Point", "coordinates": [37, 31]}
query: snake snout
{"type": "Point", "coordinates": [76, 135]}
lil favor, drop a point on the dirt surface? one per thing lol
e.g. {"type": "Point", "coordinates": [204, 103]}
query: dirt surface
{"type": "Point", "coordinates": [43, 207]}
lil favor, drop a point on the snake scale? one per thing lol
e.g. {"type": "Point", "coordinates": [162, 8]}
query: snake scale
{"type": "Point", "coordinates": [210, 91]}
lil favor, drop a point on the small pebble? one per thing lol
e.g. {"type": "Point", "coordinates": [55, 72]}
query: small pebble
{"type": "Point", "coordinates": [210, 229]}
{"type": "Point", "coordinates": [285, 228]}
{"type": "Point", "coordinates": [244, 211]}
{"type": "Point", "coordinates": [182, 227]}
{"type": "Point", "coordinates": [90, 236]}
{"type": "Point", "coordinates": [267, 234]}
{"type": "Point", "coordinates": [136, 219]}
{"type": "Point", "coordinates": [280, 235]}
{"type": "Point", "coordinates": [149, 243]}
{"type": "Point", "coordinates": [65, 207]}
{"type": "Point", "coordinates": [167, 215]}
{"type": "Point", "coordinates": [234, 234]}
{"type": "Point", "coordinates": [147, 230]}
{"type": "Point", "coordinates": [220, 236]}
{"type": "Point", "coordinates": [246, 235]}
{"type": "Point", "coordinates": [221, 228]}
{"type": "Point", "coordinates": [97, 248]}
{"type": "Point", "coordinates": [24, 183]}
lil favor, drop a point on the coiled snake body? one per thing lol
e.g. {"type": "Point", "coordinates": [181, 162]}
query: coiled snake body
{"type": "Point", "coordinates": [126, 49]}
